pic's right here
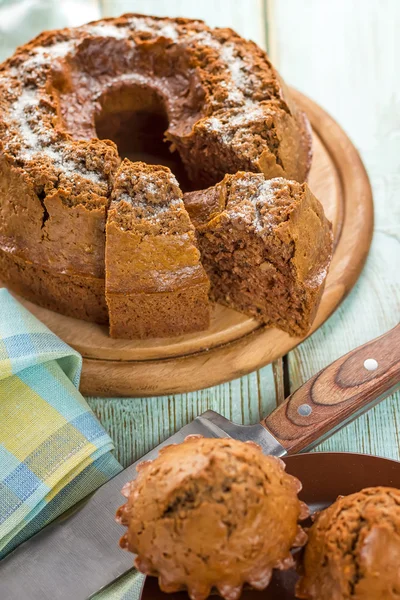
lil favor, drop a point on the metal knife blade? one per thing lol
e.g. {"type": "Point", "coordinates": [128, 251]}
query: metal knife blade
{"type": "Point", "coordinates": [77, 556]}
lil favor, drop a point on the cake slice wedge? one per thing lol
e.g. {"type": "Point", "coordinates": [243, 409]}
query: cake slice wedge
{"type": "Point", "coordinates": [266, 246]}
{"type": "Point", "coordinates": [155, 283]}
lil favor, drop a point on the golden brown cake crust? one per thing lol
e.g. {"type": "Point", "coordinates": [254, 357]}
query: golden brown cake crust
{"type": "Point", "coordinates": [353, 551]}
{"type": "Point", "coordinates": [225, 105]}
{"type": "Point", "coordinates": [155, 283]}
{"type": "Point", "coordinates": [78, 296]}
{"type": "Point", "coordinates": [266, 246]}
{"type": "Point", "coordinates": [212, 514]}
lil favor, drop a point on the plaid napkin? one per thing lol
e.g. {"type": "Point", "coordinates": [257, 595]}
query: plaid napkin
{"type": "Point", "coordinates": [53, 450]}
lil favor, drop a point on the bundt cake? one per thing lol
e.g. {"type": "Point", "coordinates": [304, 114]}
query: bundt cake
{"type": "Point", "coordinates": [155, 283]}
{"type": "Point", "coordinates": [266, 246]}
{"type": "Point", "coordinates": [221, 104]}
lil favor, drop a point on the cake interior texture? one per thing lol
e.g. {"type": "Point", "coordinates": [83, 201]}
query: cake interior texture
{"type": "Point", "coordinates": [266, 246]}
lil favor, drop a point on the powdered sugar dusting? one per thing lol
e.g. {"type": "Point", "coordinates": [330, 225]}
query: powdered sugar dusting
{"type": "Point", "coordinates": [148, 185]}
{"type": "Point", "coordinates": [249, 206]}
{"type": "Point", "coordinates": [168, 30]}
{"type": "Point", "coordinates": [266, 191]}
{"type": "Point", "coordinates": [234, 63]}
{"type": "Point", "coordinates": [151, 187]}
{"type": "Point", "coordinates": [43, 55]}
{"type": "Point", "coordinates": [235, 66]}
{"type": "Point", "coordinates": [204, 38]}
{"type": "Point", "coordinates": [213, 124]}
{"type": "Point", "coordinates": [266, 196]}
{"type": "Point", "coordinates": [244, 115]}
{"type": "Point", "coordinates": [136, 24]}
{"type": "Point", "coordinates": [250, 111]}
{"type": "Point", "coordinates": [143, 208]}
{"type": "Point", "coordinates": [36, 140]}
{"type": "Point", "coordinates": [106, 30]}
{"type": "Point", "coordinates": [58, 50]}
{"type": "Point", "coordinates": [28, 99]}
{"type": "Point", "coordinates": [6, 75]}
{"type": "Point", "coordinates": [143, 203]}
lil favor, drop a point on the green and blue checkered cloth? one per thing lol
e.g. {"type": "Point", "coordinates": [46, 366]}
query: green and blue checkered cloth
{"type": "Point", "coordinates": [53, 450]}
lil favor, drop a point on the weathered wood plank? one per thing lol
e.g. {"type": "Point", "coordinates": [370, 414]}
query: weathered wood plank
{"type": "Point", "coordinates": [138, 424]}
{"type": "Point", "coordinates": [344, 58]}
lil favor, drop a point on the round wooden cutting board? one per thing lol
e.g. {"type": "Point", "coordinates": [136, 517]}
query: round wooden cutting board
{"type": "Point", "coordinates": [234, 344]}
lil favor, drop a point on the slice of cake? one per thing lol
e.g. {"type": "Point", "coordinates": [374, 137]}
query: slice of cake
{"type": "Point", "coordinates": [155, 283]}
{"type": "Point", "coordinates": [266, 246]}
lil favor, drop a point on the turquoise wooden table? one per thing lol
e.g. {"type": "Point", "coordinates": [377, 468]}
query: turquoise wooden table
{"type": "Point", "coordinates": [345, 59]}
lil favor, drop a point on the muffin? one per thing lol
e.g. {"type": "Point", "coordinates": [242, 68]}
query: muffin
{"type": "Point", "coordinates": [354, 549]}
{"type": "Point", "coordinates": [212, 515]}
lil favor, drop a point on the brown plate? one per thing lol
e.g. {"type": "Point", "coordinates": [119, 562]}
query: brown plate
{"type": "Point", "coordinates": [234, 344]}
{"type": "Point", "coordinates": [325, 476]}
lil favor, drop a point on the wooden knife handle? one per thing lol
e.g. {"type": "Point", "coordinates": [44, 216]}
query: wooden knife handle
{"type": "Point", "coordinates": [338, 394]}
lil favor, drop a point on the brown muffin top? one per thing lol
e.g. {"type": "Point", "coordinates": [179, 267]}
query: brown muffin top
{"type": "Point", "coordinates": [354, 549]}
{"type": "Point", "coordinates": [212, 514]}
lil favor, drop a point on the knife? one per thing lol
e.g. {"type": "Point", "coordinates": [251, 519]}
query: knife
{"type": "Point", "coordinates": [76, 556]}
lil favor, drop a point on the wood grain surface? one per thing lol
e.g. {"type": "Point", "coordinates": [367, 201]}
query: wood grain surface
{"type": "Point", "coordinates": [348, 387]}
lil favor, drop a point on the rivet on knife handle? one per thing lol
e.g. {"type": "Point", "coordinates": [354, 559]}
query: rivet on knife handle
{"type": "Point", "coordinates": [338, 394]}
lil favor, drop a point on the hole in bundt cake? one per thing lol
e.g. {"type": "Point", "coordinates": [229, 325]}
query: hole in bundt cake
{"type": "Point", "coordinates": [135, 119]}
